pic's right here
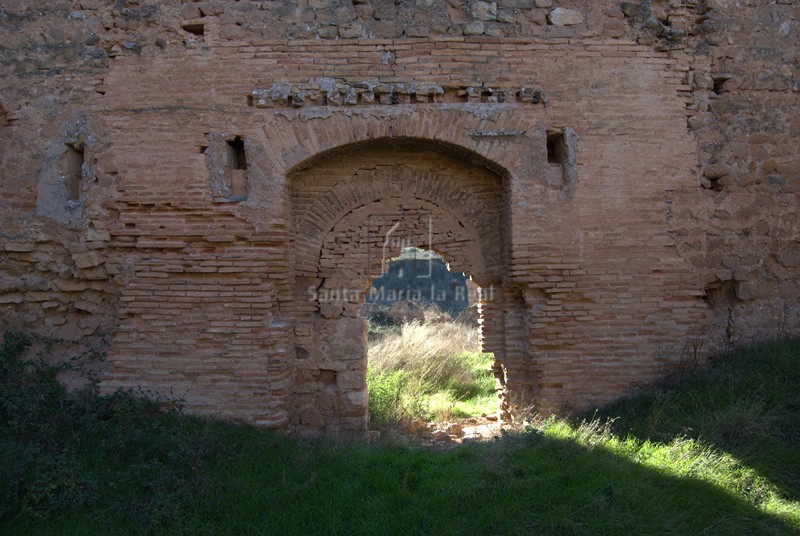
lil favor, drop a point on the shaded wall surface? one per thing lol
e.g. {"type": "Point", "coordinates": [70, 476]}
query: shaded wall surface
{"type": "Point", "coordinates": [202, 191]}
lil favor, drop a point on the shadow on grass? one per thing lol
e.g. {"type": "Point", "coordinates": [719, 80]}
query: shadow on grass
{"type": "Point", "coordinates": [532, 483]}
{"type": "Point", "coordinates": [108, 465]}
{"type": "Point", "coordinates": [745, 403]}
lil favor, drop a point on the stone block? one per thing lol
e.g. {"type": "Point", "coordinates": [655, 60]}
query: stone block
{"type": "Point", "coordinates": [482, 10]}
{"type": "Point", "coordinates": [358, 399]}
{"type": "Point", "coordinates": [715, 171]}
{"type": "Point", "coordinates": [351, 31]}
{"type": "Point", "coordinates": [517, 4]}
{"type": "Point", "coordinates": [97, 235]}
{"type": "Point", "coordinates": [70, 285]}
{"type": "Point", "coordinates": [565, 17]}
{"type": "Point", "coordinates": [9, 283]}
{"type": "Point", "coordinates": [19, 247]}
{"type": "Point", "coordinates": [328, 32]}
{"type": "Point", "coordinates": [87, 259]}
{"type": "Point", "coordinates": [14, 297]}
{"type": "Point", "coordinates": [351, 381]}
{"type": "Point", "coordinates": [476, 27]}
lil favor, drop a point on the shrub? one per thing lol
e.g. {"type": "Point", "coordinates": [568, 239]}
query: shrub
{"type": "Point", "coordinates": [37, 417]}
{"type": "Point", "coordinates": [50, 440]}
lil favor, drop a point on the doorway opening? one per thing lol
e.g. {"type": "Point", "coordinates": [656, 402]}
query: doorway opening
{"type": "Point", "coordinates": [426, 368]}
{"type": "Point", "coordinates": [352, 212]}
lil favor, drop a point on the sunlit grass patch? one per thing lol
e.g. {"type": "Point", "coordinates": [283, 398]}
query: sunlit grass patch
{"type": "Point", "coordinates": [680, 458]}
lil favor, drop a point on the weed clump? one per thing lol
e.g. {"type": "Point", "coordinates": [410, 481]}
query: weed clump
{"type": "Point", "coordinates": [36, 416]}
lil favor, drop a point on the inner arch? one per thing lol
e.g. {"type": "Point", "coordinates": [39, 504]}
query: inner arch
{"type": "Point", "coordinates": [402, 143]}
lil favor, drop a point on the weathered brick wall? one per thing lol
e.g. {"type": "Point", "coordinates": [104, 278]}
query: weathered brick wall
{"type": "Point", "coordinates": [175, 176]}
{"type": "Point", "coordinates": [740, 230]}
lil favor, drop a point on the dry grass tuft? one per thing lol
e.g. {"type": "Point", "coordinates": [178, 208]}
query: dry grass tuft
{"type": "Point", "coordinates": [431, 352]}
{"type": "Point", "coordinates": [431, 371]}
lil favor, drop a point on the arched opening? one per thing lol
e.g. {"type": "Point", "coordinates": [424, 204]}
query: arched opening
{"type": "Point", "coordinates": [427, 373]}
{"type": "Point", "coordinates": [353, 211]}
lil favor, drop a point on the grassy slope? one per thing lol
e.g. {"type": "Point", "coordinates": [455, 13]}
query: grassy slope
{"type": "Point", "coordinates": [746, 403]}
{"type": "Point", "coordinates": [182, 475]}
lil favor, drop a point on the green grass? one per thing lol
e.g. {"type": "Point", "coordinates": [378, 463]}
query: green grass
{"type": "Point", "coordinates": [746, 403]}
{"type": "Point", "coordinates": [671, 463]}
{"type": "Point", "coordinates": [432, 371]}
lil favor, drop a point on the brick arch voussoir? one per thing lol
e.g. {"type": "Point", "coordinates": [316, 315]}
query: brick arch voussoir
{"type": "Point", "coordinates": [377, 184]}
{"type": "Point", "coordinates": [444, 192]}
{"type": "Point", "coordinates": [446, 130]}
{"type": "Point", "coordinates": [468, 240]}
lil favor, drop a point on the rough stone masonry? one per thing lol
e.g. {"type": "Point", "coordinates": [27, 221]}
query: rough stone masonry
{"type": "Point", "coordinates": [201, 191]}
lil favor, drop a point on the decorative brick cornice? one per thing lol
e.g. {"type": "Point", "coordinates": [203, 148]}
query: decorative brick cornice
{"type": "Point", "coordinates": [320, 91]}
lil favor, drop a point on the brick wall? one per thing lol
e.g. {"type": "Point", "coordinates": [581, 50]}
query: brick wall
{"type": "Point", "coordinates": [175, 177]}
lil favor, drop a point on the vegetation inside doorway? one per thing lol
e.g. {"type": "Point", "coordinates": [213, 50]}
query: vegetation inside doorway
{"type": "Point", "coordinates": [425, 359]}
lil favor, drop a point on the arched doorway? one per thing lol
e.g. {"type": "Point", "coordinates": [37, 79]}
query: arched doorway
{"type": "Point", "coordinates": [352, 209]}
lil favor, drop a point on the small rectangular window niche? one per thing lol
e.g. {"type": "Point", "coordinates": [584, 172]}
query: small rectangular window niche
{"type": "Point", "coordinates": [194, 29]}
{"type": "Point", "coordinates": [561, 169]}
{"type": "Point", "coordinates": [556, 148]}
{"type": "Point", "coordinates": [237, 168]}
{"type": "Point", "coordinates": [73, 171]}
{"type": "Point", "coordinates": [236, 155]}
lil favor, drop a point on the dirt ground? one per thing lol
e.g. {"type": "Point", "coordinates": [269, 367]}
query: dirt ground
{"type": "Point", "coordinates": [444, 435]}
